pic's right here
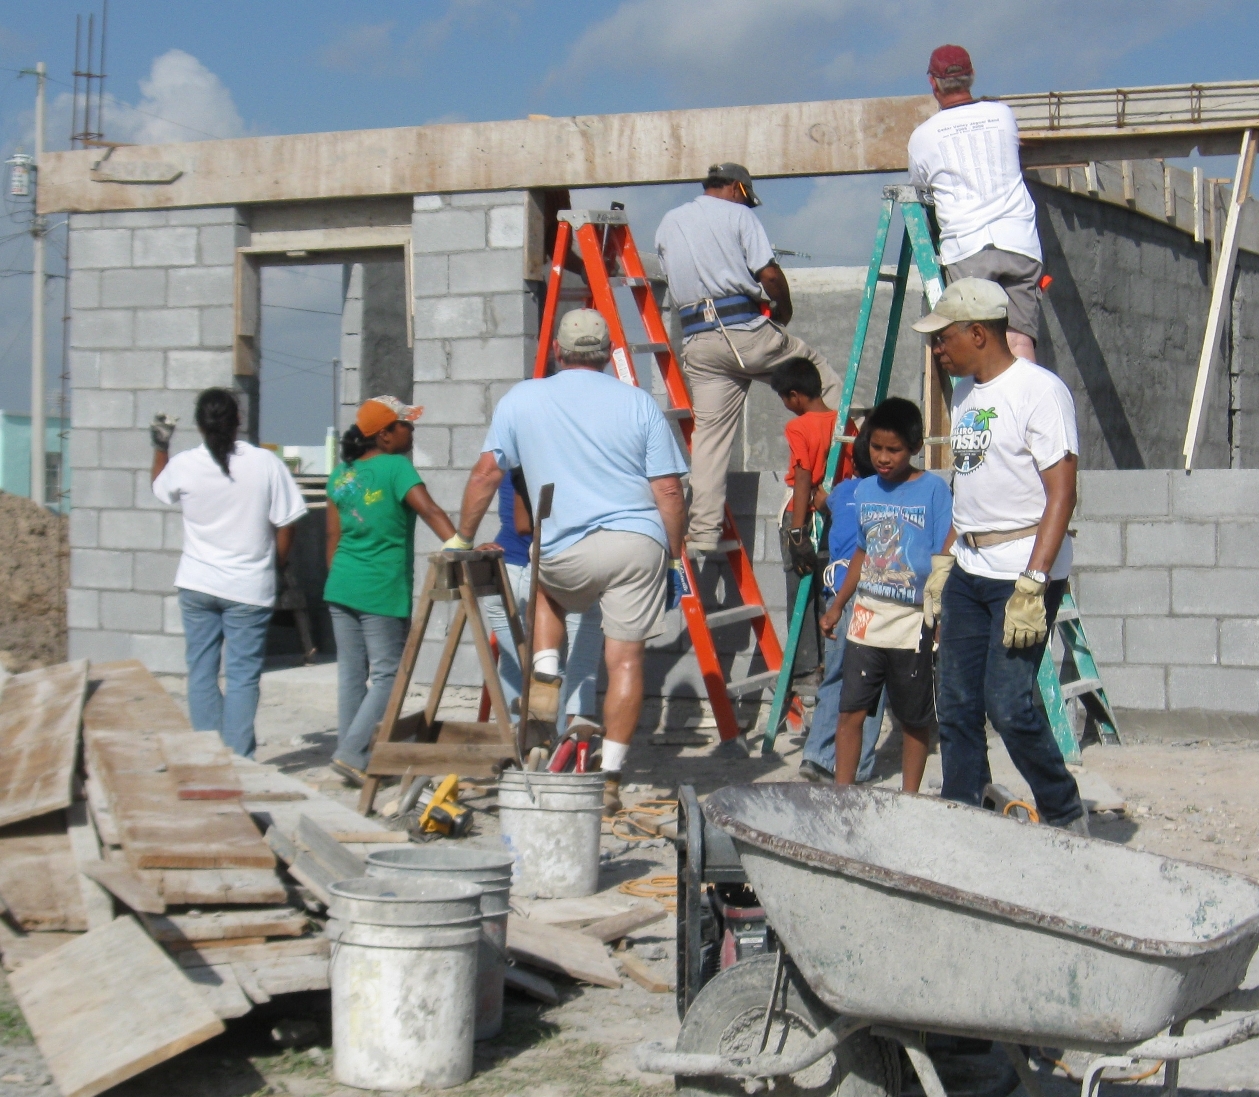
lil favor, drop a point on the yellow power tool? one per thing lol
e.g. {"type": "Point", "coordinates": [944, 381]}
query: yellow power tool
{"type": "Point", "coordinates": [443, 814]}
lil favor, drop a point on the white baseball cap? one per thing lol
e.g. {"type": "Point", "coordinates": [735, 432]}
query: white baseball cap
{"type": "Point", "coordinates": [967, 299]}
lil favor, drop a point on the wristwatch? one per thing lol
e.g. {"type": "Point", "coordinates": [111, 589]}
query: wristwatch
{"type": "Point", "coordinates": [1036, 576]}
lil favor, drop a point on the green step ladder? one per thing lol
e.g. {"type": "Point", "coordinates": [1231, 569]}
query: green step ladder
{"type": "Point", "coordinates": [919, 244]}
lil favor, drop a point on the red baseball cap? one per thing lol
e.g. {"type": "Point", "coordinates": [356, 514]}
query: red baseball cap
{"type": "Point", "coordinates": [950, 61]}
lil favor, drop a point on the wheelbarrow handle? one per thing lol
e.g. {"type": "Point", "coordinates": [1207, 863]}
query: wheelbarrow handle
{"type": "Point", "coordinates": [1199, 1043]}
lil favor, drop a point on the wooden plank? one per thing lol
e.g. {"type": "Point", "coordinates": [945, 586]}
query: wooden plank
{"type": "Point", "coordinates": [573, 913]}
{"type": "Point", "coordinates": [249, 984]}
{"type": "Point", "coordinates": [127, 885]}
{"type": "Point", "coordinates": [264, 783]}
{"type": "Point", "coordinates": [264, 953]}
{"type": "Point", "coordinates": [125, 696]}
{"type": "Point", "coordinates": [216, 886]}
{"type": "Point", "coordinates": [221, 991]}
{"type": "Point", "coordinates": [39, 739]}
{"type": "Point", "coordinates": [527, 982]}
{"type": "Point", "coordinates": [468, 760]}
{"type": "Point", "coordinates": [281, 846]}
{"type": "Point", "coordinates": [176, 947]}
{"type": "Point", "coordinates": [289, 974]}
{"type": "Point", "coordinates": [98, 804]}
{"type": "Point", "coordinates": [612, 929]}
{"type": "Point", "coordinates": [370, 837]}
{"type": "Point", "coordinates": [39, 880]}
{"type": "Point", "coordinates": [642, 974]}
{"type": "Point", "coordinates": [224, 925]}
{"type": "Point", "coordinates": [327, 851]}
{"type": "Point", "coordinates": [200, 765]}
{"type": "Point", "coordinates": [17, 948]}
{"type": "Point", "coordinates": [108, 1006]}
{"type": "Point", "coordinates": [98, 905]}
{"type": "Point", "coordinates": [552, 949]}
{"type": "Point", "coordinates": [312, 875]}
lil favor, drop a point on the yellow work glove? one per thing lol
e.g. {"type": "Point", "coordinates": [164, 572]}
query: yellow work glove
{"type": "Point", "coordinates": [458, 543]}
{"type": "Point", "coordinates": [1025, 622]}
{"type": "Point", "coordinates": [941, 564]}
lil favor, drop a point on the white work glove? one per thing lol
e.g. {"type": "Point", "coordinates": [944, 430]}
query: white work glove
{"type": "Point", "coordinates": [458, 543]}
{"type": "Point", "coordinates": [161, 431]}
{"type": "Point", "coordinates": [1026, 623]}
{"type": "Point", "coordinates": [941, 564]}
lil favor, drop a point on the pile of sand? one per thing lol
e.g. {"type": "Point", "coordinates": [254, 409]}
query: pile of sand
{"type": "Point", "coordinates": [34, 575]}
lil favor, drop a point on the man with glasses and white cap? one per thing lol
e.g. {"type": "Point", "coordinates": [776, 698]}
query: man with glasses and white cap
{"type": "Point", "coordinates": [967, 155]}
{"type": "Point", "coordinates": [722, 271]}
{"type": "Point", "coordinates": [1015, 455]}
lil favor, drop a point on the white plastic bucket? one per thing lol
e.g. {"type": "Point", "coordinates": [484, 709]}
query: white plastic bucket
{"type": "Point", "coordinates": [550, 822]}
{"type": "Point", "coordinates": [403, 976]}
{"type": "Point", "coordinates": [492, 872]}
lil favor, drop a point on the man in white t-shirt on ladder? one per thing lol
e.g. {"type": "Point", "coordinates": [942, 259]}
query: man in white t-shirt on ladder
{"type": "Point", "coordinates": [968, 157]}
{"type": "Point", "coordinates": [1015, 455]}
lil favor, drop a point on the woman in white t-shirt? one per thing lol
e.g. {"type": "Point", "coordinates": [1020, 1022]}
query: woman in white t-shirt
{"type": "Point", "coordinates": [239, 504]}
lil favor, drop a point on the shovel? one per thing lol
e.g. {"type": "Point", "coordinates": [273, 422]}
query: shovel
{"type": "Point", "coordinates": [526, 662]}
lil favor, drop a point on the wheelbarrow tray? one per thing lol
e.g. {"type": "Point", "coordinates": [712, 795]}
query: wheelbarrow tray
{"type": "Point", "coordinates": [933, 915]}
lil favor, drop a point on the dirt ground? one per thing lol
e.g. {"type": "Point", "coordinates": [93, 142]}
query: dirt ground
{"type": "Point", "coordinates": [1185, 797]}
{"type": "Point", "coordinates": [34, 575]}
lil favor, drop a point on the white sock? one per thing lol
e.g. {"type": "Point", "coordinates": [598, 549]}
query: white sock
{"type": "Point", "coordinates": [546, 661]}
{"type": "Point", "coordinates": [613, 756]}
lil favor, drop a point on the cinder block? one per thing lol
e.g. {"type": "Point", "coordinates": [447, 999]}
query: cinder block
{"type": "Point", "coordinates": [451, 404]}
{"type": "Point", "coordinates": [1131, 591]}
{"type": "Point", "coordinates": [134, 219]}
{"type": "Point", "coordinates": [1170, 640]}
{"type": "Point", "coordinates": [127, 288]}
{"type": "Point", "coordinates": [499, 389]}
{"type": "Point", "coordinates": [96, 408]}
{"type": "Point", "coordinates": [172, 531]}
{"type": "Point", "coordinates": [1162, 543]}
{"type": "Point", "coordinates": [127, 612]}
{"type": "Point", "coordinates": [132, 369]}
{"type": "Point", "coordinates": [85, 449]}
{"type": "Point", "coordinates": [351, 390]}
{"type": "Point", "coordinates": [198, 369]}
{"type": "Point", "coordinates": [447, 317]}
{"type": "Point", "coordinates": [431, 275]}
{"type": "Point", "coordinates": [1097, 544]}
{"type": "Point", "coordinates": [180, 403]}
{"type": "Point", "coordinates": [1216, 689]}
{"type": "Point", "coordinates": [1226, 592]}
{"type": "Point", "coordinates": [85, 289]}
{"type": "Point", "coordinates": [514, 314]}
{"type": "Point", "coordinates": [426, 203]}
{"type": "Point", "coordinates": [83, 609]}
{"type": "Point", "coordinates": [164, 247]}
{"type": "Point", "coordinates": [102, 488]}
{"type": "Point", "coordinates": [142, 497]}
{"type": "Point", "coordinates": [216, 245]}
{"type": "Point", "coordinates": [474, 199]}
{"type": "Point", "coordinates": [1238, 544]}
{"type": "Point", "coordinates": [128, 529]}
{"type": "Point", "coordinates": [448, 230]}
{"type": "Point", "coordinates": [101, 328]}
{"type": "Point", "coordinates": [1125, 493]}
{"type": "Point", "coordinates": [200, 286]}
{"type": "Point", "coordinates": [431, 448]}
{"type": "Point", "coordinates": [487, 359]}
{"type": "Point", "coordinates": [126, 449]}
{"type": "Point", "coordinates": [161, 654]}
{"type": "Point", "coordinates": [507, 226]}
{"type": "Point", "coordinates": [352, 316]}
{"type": "Point", "coordinates": [1239, 643]}
{"type": "Point", "coordinates": [1135, 687]}
{"type": "Point", "coordinates": [168, 327]}
{"type": "Point", "coordinates": [431, 360]}
{"type": "Point", "coordinates": [1216, 493]}
{"type": "Point", "coordinates": [205, 215]}
{"type": "Point", "coordinates": [100, 568]}
{"type": "Point", "coordinates": [216, 327]}
{"type": "Point", "coordinates": [492, 271]}
{"type": "Point", "coordinates": [100, 248]}
{"type": "Point", "coordinates": [446, 487]}
{"type": "Point", "coordinates": [156, 571]}
{"type": "Point", "coordinates": [172, 618]}
{"type": "Point", "coordinates": [83, 527]}
{"type": "Point", "coordinates": [465, 446]}
{"type": "Point", "coordinates": [85, 369]}
{"type": "Point", "coordinates": [86, 221]}
{"type": "Point", "coordinates": [1105, 636]}
{"type": "Point", "coordinates": [99, 647]}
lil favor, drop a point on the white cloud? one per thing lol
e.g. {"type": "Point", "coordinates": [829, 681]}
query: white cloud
{"type": "Point", "coordinates": [181, 100]}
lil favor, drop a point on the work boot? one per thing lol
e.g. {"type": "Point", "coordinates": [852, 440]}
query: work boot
{"type": "Point", "coordinates": [544, 696]}
{"type": "Point", "coordinates": [351, 774]}
{"type": "Point", "coordinates": [611, 794]}
{"type": "Point", "coordinates": [1079, 825]}
{"type": "Point", "coordinates": [811, 771]}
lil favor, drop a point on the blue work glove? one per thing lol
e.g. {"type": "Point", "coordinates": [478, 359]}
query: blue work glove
{"type": "Point", "coordinates": [676, 585]}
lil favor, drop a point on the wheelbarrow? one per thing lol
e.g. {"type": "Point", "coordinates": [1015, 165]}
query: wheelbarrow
{"type": "Point", "coordinates": [898, 915]}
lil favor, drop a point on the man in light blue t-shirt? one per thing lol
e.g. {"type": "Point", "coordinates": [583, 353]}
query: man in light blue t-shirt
{"type": "Point", "coordinates": [617, 519]}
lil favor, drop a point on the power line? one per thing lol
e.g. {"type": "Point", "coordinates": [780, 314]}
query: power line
{"type": "Point", "coordinates": [294, 308]}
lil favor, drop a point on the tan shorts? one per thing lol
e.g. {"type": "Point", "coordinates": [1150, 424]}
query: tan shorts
{"type": "Point", "coordinates": [1019, 275]}
{"type": "Point", "coordinates": [623, 572]}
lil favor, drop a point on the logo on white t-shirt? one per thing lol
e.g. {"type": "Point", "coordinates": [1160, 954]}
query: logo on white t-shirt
{"type": "Point", "coordinates": [971, 438]}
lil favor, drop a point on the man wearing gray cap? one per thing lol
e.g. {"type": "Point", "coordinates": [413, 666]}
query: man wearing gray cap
{"type": "Point", "coordinates": [1015, 454]}
{"type": "Point", "coordinates": [615, 531]}
{"type": "Point", "coordinates": [721, 271]}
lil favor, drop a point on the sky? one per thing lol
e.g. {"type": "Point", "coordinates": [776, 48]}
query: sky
{"type": "Point", "coordinates": [178, 71]}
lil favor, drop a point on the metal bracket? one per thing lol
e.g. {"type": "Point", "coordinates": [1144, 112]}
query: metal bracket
{"type": "Point", "coordinates": [579, 217]}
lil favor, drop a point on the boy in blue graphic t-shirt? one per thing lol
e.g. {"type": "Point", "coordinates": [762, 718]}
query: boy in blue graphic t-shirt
{"type": "Point", "coordinates": [904, 517]}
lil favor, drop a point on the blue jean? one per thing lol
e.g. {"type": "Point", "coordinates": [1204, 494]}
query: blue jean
{"type": "Point", "coordinates": [819, 747]}
{"type": "Point", "coordinates": [978, 677]}
{"type": "Point", "coordinates": [369, 649]}
{"type": "Point", "coordinates": [585, 646]}
{"type": "Point", "coordinates": [211, 625]}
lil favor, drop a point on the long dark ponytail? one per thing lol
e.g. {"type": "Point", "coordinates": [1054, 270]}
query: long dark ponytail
{"type": "Point", "coordinates": [218, 419]}
{"type": "Point", "coordinates": [354, 444]}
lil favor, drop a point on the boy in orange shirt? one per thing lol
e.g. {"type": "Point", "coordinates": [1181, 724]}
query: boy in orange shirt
{"type": "Point", "coordinates": [799, 386]}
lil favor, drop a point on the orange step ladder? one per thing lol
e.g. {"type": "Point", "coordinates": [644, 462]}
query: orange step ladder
{"type": "Point", "coordinates": [611, 259]}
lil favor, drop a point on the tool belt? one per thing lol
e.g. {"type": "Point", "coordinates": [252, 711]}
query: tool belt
{"type": "Point", "coordinates": [711, 313]}
{"type": "Point", "coordinates": [987, 540]}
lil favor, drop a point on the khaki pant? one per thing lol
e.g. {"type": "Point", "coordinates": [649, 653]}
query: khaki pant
{"type": "Point", "coordinates": [624, 572]}
{"type": "Point", "coordinates": [719, 389]}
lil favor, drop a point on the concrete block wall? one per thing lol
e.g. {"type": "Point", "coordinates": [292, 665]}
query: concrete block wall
{"type": "Point", "coordinates": [151, 298]}
{"type": "Point", "coordinates": [1168, 586]}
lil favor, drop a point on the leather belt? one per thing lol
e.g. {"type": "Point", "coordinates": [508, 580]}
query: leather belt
{"type": "Point", "coordinates": [1000, 537]}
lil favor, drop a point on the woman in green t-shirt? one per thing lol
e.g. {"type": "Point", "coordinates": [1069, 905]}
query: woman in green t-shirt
{"type": "Point", "coordinates": [373, 498]}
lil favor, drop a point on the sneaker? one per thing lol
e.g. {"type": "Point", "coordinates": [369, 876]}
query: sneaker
{"type": "Point", "coordinates": [611, 795]}
{"type": "Point", "coordinates": [544, 696]}
{"type": "Point", "coordinates": [353, 776]}
{"type": "Point", "coordinates": [811, 771]}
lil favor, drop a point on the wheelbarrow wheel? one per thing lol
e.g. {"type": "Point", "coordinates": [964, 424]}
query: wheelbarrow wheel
{"type": "Point", "coordinates": [728, 1017]}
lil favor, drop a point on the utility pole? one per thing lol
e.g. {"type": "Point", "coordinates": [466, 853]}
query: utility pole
{"type": "Point", "coordinates": [38, 231]}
